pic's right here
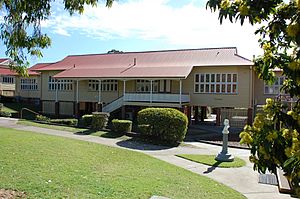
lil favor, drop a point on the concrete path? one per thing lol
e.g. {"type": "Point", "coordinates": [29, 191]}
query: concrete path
{"type": "Point", "coordinates": [243, 180]}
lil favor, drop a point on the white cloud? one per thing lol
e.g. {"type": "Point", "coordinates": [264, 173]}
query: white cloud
{"type": "Point", "coordinates": [188, 26]}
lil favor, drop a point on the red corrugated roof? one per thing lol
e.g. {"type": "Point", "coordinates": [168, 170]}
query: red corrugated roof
{"type": "Point", "coordinates": [171, 63]}
{"type": "Point", "coordinates": [6, 71]}
{"type": "Point", "coordinates": [3, 60]}
{"type": "Point", "coordinates": [32, 69]}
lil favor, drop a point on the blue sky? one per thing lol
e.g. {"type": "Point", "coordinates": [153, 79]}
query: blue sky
{"type": "Point", "coordinates": [142, 25]}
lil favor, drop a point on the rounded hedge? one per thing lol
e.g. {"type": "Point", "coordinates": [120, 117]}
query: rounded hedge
{"type": "Point", "coordinates": [166, 124]}
{"type": "Point", "coordinates": [121, 126]}
{"type": "Point", "coordinates": [86, 120]}
{"type": "Point", "coordinates": [99, 120]}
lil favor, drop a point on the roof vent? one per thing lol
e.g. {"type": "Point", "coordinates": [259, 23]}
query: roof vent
{"type": "Point", "coordinates": [134, 61]}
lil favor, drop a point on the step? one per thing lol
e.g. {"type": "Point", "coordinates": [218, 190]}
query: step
{"type": "Point", "coordinates": [283, 183]}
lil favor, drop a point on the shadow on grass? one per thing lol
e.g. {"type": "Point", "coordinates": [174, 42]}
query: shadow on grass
{"type": "Point", "coordinates": [104, 134]}
{"type": "Point", "coordinates": [111, 134]}
{"type": "Point", "coordinates": [213, 167]}
{"type": "Point", "coordinates": [85, 132]}
{"type": "Point", "coordinates": [143, 144]}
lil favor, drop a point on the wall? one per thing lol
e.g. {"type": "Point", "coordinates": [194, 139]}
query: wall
{"type": "Point", "coordinates": [259, 89]}
{"type": "Point", "coordinates": [240, 100]}
{"type": "Point", "coordinates": [28, 93]}
{"type": "Point", "coordinates": [48, 107]}
{"type": "Point", "coordinates": [7, 89]}
{"type": "Point", "coordinates": [66, 108]}
{"type": "Point", "coordinates": [47, 94]}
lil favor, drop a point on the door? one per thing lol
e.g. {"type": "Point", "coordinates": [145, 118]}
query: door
{"type": "Point", "coordinates": [165, 86]}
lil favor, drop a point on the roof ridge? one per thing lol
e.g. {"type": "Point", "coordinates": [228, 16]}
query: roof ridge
{"type": "Point", "coordinates": [242, 57]}
{"type": "Point", "coordinates": [153, 51]}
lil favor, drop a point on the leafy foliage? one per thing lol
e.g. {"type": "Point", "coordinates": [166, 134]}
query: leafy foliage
{"type": "Point", "coordinates": [42, 118]}
{"type": "Point", "coordinates": [21, 27]}
{"type": "Point", "coordinates": [68, 122]}
{"type": "Point", "coordinates": [99, 120]}
{"type": "Point", "coordinates": [274, 140]}
{"type": "Point", "coordinates": [274, 136]}
{"type": "Point", "coordinates": [5, 114]}
{"type": "Point", "coordinates": [166, 124]}
{"type": "Point", "coordinates": [86, 120]}
{"type": "Point", "coordinates": [121, 126]}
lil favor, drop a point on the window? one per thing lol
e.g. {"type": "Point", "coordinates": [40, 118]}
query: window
{"type": "Point", "coordinates": [216, 83]}
{"type": "Point", "coordinates": [62, 84]}
{"type": "Point", "coordinates": [29, 84]}
{"type": "Point", "coordinates": [106, 85]}
{"type": "Point", "coordinates": [8, 79]}
{"type": "Point", "coordinates": [275, 87]}
{"type": "Point", "coordinates": [145, 85]}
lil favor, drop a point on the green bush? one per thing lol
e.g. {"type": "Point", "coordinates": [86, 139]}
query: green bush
{"type": "Point", "coordinates": [86, 120]}
{"type": "Point", "coordinates": [99, 120]}
{"type": "Point", "coordinates": [121, 126]}
{"type": "Point", "coordinates": [42, 118]}
{"type": "Point", "coordinates": [68, 122]}
{"type": "Point", "coordinates": [166, 124]}
{"type": "Point", "coordinates": [5, 114]}
{"type": "Point", "coordinates": [274, 140]}
{"type": "Point", "coordinates": [145, 129]}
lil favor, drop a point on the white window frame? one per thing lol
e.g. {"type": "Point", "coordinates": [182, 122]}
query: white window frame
{"type": "Point", "coordinates": [275, 87]}
{"type": "Point", "coordinates": [144, 86]}
{"type": "Point", "coordinates": [62, 84]}
{"type": "Point", "coordinates": [8, 79]}
{"type": "Point", "coordinates": [216, 83]}
{"type": "Point", "coordinates": [106, 85]}
{"type": "Point", "coordinates": [28, 84]}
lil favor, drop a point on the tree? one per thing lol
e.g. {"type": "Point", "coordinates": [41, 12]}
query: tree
{"type": "Point", "coordinates": [21, 27]}
{"type": "Point", "coordinates": [114, 51]}
{"type": "Point", "coordinates": [274, 134]}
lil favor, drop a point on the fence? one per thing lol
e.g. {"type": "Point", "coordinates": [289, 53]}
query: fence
{"type": "Point", "coordinates": [238, 117]}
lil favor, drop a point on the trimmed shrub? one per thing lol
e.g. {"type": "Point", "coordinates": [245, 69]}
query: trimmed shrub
{"type": "Point", "coordinates": [68, 122]}
{"type": "Point", "coordinates": [121, 126]}
{"type": "Point", "coordinates": [99, 120]}
{"type": "Point", "coordinates": [145, 129]}
{"type": "Point", "coordinates": [166, 124]}
{"type": "Point", "coordinates": [42, 118]}
{"type": "Point", "coordinates": [5, 114]}
{"type": "Point", "coordinates": [86, 120]}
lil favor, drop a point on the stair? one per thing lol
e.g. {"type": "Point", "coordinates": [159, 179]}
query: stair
{"type": "Point", "coordinates": [114, 105]}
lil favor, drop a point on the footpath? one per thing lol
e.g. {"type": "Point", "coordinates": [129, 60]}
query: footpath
{"type": "Point", "coordinates": [243, 180]}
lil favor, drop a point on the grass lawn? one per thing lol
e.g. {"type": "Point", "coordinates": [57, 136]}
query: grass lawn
{"type": "Point", "coordinates": [53, 167]}
{"type": "Point", "coordinates": [14, 107]}
{"type": "Point", "coordinates": [105, 134]}
{"type": "Point", "coordinates": [210, 160]}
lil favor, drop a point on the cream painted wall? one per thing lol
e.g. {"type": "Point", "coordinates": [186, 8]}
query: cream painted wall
{"type": "Point", "coordinates": [28, 93]}
{"type": "Point", "coordinates": [66, 108]}
{"type": "Point", "coordinates": [7, 87]}
{"type": "Point", "coordinates": [48, 107]}
{"type": "Point", "coordinates": [259, 89]}
{"type": "Point", "coordinates": [239, 100]}
{"type": "Point", "coordinates": [50, 94]}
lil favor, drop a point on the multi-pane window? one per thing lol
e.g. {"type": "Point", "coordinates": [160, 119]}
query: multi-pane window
{"type": "Point", "coordinates": [216, 83]}
{"type": "Point", "coordinates": [8, 79]}
{"type": "Point", "coordinates": [29, 84]}
{"type": "Point", "coordinates": [275, 87]}
{"type": "Point", "coordinates": [106, 85]}
{"type": "Point", "coordinates": [62, 84]}
{"type": "Point", "coordinates": [145, 85]}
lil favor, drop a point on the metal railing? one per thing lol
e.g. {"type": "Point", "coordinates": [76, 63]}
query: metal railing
{"type": "Point", "coordinates": [26, 109]}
